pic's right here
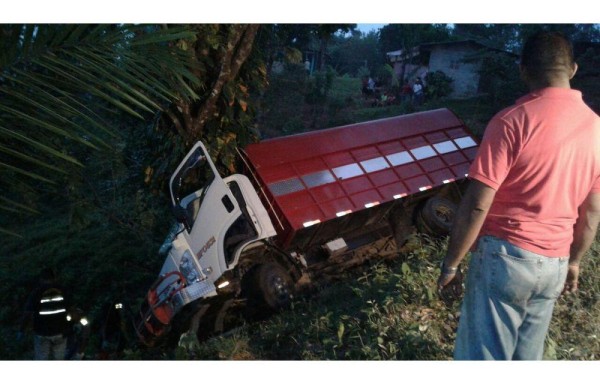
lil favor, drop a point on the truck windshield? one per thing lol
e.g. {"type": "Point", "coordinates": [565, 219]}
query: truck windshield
{"type": "Point", "coordinates": [191, 183]}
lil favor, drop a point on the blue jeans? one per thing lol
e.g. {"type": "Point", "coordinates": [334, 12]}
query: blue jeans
{"type": "Point", "coordinates": [509, 299]}
{"type": "Point", "coordinates": [49, 347]}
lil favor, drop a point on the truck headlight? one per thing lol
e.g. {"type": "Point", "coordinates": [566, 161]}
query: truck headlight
{"type": "Point", "coordinates": [187, 267]}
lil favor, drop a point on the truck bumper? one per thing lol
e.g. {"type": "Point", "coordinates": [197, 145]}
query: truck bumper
{"type": "Point", "coordinates": [164, 300]}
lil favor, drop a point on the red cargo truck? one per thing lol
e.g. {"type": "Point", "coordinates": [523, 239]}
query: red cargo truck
{"type": "Point", "coordinates": [306, 205]}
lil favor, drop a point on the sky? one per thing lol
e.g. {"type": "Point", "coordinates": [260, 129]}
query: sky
{"type": "Point", "coordinates": [366, 28]}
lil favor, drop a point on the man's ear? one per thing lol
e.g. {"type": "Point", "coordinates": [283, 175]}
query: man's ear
{"type": "Point", "coordinates": [575, 68]}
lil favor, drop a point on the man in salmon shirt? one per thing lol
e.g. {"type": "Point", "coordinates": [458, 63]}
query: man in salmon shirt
{"type": "Point", "coordinates": [532, 209]}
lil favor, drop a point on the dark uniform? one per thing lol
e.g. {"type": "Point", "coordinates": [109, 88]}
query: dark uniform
{"type": "Point", "coordinates": [48, 306]}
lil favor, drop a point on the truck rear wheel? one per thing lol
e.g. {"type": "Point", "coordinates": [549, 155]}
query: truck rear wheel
{"type": "Point", "coordinates": [269, 288]}
{"type": "Point", "coordinates": [436, 216]}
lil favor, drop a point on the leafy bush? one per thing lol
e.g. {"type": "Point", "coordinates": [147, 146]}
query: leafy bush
{"type": "Point", "coordinates": [363, 72]}
{"type": "Point", "coordinates": [500, 78]}
{"type": "Point", "coordinates": [282, 105]}
{"type": "Point", "coordinates": [438, 85]}
{"type": "Point", "coordinates": [386, 76]}
{"type": "Point", "coordinates": [319, 85]}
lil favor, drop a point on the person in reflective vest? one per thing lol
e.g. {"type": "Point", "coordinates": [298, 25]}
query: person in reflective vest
{"type": "Point", "coordinates": [48, 307]}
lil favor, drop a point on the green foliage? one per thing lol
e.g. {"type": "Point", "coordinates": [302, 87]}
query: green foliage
{"type": "Point", "coordinates": [438, 85]}
{"type": "Point", "coordinates": [587, 78]}
{"type": "Point", "coordinates": [393, 37]}
{"type": "Point", "coordinates": [574, 331]}
{"type": "Point", "coordinates": [60, 82]}
{"type": "Point", "coordinates": [281, 106]}
{"type": "Point", "coordinates": [363, 72]}
{"type": "Point", "coordinates": [229, 74]}
{"type": "Point", "coordinates": [510, 37]}
{"type": "Point", "coordinates": [356, 55]}
{"type": "Point", "coordinates": [319, 86]}
{"type": "Point", "coordinates": [499, 78]}
{"type": "Point", "coordinates": [386, 76]}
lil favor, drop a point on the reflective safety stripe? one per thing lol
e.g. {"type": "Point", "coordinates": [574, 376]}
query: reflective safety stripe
{"type": "Point", "coordinates": [48, 300]}
{"type": "Point", "coordinates": [52, 312]}
{"type": "Point", "coordinates": [313, 222]}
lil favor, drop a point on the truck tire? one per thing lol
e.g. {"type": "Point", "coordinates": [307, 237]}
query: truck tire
{"type": "Point", "coordinates": [269, 288]}
{"type": "Point", "coordinates": [436, 216]}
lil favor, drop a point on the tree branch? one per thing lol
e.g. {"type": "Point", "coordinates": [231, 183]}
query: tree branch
{"type": "Point", "coordinates": [239, 47]}
{"type": "Point", "coordinates": [177, 123]}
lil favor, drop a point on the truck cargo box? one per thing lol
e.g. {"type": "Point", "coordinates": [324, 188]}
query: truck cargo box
{"type": "Point", "coordinates": [320, 176]}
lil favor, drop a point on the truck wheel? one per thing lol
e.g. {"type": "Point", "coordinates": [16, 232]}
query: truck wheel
{"type": "Point", "coordinates": [270, 289]}
{"type": "Point", "coordinates": [436, 216]}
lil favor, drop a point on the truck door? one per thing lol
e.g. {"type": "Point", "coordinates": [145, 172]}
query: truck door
{"type": "Point", "coordinates": [207, 207]}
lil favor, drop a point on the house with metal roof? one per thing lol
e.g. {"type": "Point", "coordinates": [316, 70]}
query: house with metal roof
{"type": "Point", "coordinates": [459, 60]}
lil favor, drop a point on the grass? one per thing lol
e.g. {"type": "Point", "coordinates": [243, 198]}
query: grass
{"type": "Point", "coordinates": [391, 312]}
{"type": "Point", "coordinates": [384, 312]}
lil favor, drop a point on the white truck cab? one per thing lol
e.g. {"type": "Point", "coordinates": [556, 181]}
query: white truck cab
{"type": "Point", "coordinates": [217, 219]}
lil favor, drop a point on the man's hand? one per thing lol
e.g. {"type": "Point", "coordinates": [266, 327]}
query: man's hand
{"type": "Point", "coordinates": [469, 218]}
{"type": "Point", "coordinates": [572, 282]}
{"type": "Point", "coordinates": [450, 286]}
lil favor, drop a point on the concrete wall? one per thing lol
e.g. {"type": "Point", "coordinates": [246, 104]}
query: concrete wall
{"type": "Point", "coordinates": [449, 59]}
{"type": "Point", "coordinates": [410, 72]}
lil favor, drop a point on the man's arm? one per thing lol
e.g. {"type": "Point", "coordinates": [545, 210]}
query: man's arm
{"type": "Point", "coordinates": [583, 237]}
{"type": "Point", "coordinates": [471, 214]}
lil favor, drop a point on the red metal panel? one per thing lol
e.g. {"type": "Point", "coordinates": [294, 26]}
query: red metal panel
{"type": "Point", "coordinates": [366, 197]}
{"type": "Point", "coordinates": [365, 153]}
{"type": "Point", "coordinates": [296, 200]}
{"type": "Point", "coordinates": [327, 192]}
{"type": "Point", "coordinates": [456, 133]}
{"type": "Point", "coordinates": [442, 176]}
{"type": "Point", "coordinates": [391, 147]}
{"type": "Point", "coordinates": [389, 191]}
{"type": "Point", "coordinates": [471, 152]}
{"type": "Point", "coordinates": [277, 172]}
{"type": "Point", "coordinates": [356, 184]}
{"type": "Point", "coordinates": [299, 217]}
{"type": "Point", "coordinates": [432, 164]}
{"type": "Point", "coordinates": [436, 137]}
{"type": "Point", "coordinates": [314, 176]}
{"type": "Point", "coordinates": [309, 166]}
{"type": "Point", "coordinates": [415, 142]}
{"type": "Point", "coordinates": [417, 184]}
{"type": "Point", "coordinates": [461, 170]}
{"type": "Point", "coordinates": [408, 170]}
{"type": "Point", "coordinates": [338, 159]}
{"type": "Point", "coordinates": [317, 143]}
{"type": "Point", "coordinates": [384, 177]}
{"type": "Point", "coordinates": [340, 206]}
{"type": "Point", "coordinates": [454, 158]}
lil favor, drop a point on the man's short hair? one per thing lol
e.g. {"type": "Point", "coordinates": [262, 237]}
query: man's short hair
{"type": "Point", "coordinates": [547, 54]}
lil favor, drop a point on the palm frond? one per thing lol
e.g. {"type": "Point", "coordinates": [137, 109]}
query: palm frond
{"type": "Point", "coordinates": [57, 82]}
{"type": "Point", "coordinates": [9, 233]}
